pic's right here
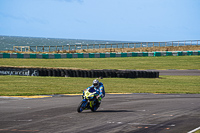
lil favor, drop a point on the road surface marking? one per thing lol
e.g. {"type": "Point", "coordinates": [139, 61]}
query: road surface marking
{"type": "Point", "coordinates": [194, 130]}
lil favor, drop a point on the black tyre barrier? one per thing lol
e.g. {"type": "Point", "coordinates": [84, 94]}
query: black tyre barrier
{"type": "Point", "coordinates": [108, 73]}
{"type": "Point", "coordinates": [56, 72]}
{"type": "Point", "coordinates": [99, 73]}
{"type": "Point", "coordinates": [152, 75]}
{"type": "Point", "coordinates": [67, 73]}
{"type": "Point", "coordinates": [43, 72]}
{"type": "Point", "coordinates": [53, 72]}
{"type": "Point", "coordinates": [130, 74]}
{"type": "Point", "coordinates": [40, 71]}
{"type": "Point", "coordinates": [72, 73]}
{"type": "Point", "coordinates": [140, 74]}
{"type": "Point", "coordinates": [81, 72]}
{"type": "Point", "coordinates": [134, 74]}
{"type": "Point", "coordinates": [62, 73]}
{"type": "Point", "coordinates": [124, 74]}
{"type": "Point", "coordinates": [50, 72]}
{"type": "Point", "coordinates": [85, 74]}
{"type": "Point", "coordinates": [89, 74]}
{"type": "Point", "coordinates": [77, 73]}
{"type": "Point", "coordinates": [94, 74]}
{"type": "Point", "coordinates": [157, 74]}
{"type": "Point", "coordinates": [147, 74]}
{"type": "Point", "coordinates": [144, 74]}
{"type": "Point", "coordinates": [114, 73]}
{"type": "Point", "coordinates": [120, 74]}
{"type": "Point", "coordinates": [59, 72]}
{"type": "Point", "coordinates": [105, 73]}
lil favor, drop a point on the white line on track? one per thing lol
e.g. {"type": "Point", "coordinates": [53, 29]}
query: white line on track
{"type": "Point", "coordinates": [23, 120]}
{"type": "Point", "coordinates": [194, 130]}
{"type": "Point", "coordinates": [151, 124]}
{"type": "Point", "coordinates": [141, 124]}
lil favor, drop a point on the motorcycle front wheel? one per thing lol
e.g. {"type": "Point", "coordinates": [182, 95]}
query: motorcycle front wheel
{"type": "Point", "coordinates": [81, 106]}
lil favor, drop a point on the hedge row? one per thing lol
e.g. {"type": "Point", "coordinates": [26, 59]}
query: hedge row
{"type": "Point", "coordinates": [98, 73]}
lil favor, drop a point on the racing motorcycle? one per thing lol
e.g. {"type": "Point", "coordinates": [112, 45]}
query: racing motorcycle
{"type": "Point", "coordinates": [89, 101]}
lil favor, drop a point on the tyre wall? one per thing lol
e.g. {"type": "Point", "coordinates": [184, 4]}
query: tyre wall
{"type": "Point", "coordinates": [104, 73]}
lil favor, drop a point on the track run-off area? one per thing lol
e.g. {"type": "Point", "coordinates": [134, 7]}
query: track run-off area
{"type": "Point", "coordinates": [129, 113]}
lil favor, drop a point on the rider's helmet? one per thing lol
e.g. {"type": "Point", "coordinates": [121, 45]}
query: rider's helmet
{"type": "Point", "coordinates": [95, 83]}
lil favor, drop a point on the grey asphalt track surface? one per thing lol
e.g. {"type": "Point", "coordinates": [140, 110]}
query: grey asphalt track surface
{"type": "Point", "coordinates": [180, 72]}
{"type": "Point", "coordinates": [127, 113]}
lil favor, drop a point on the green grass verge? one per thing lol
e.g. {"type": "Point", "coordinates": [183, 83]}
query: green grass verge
{"type": "Point", "coordinates": [22, 85]}
{"type": "Point", "coordinates": [197, 131]}
{"type": "Point", "coordinates": [164, 62]}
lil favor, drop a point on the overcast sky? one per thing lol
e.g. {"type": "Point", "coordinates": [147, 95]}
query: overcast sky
{"type": "Point", "coordinates": [119, 20]}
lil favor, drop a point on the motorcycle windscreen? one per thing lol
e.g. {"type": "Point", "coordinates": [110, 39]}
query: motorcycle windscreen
{"type": "Point", "coordinates": [92, 90]}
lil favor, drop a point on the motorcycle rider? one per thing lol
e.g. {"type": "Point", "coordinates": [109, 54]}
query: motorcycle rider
{"type": "Point", "coordinates": [99, 88]}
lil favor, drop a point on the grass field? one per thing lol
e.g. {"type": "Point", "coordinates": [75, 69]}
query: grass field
{"type": "Point", "coordinates": [164, 62]}
{"type": "Point", "coordinates": [23, 85]}
{"type": "Point", "coordinates": [197, 131]}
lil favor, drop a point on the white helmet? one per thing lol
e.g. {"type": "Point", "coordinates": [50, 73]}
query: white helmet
{"type": "Point", "coordinates": [96, 83]}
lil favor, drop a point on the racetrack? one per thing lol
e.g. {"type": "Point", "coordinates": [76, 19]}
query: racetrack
{"type": "Point", "coordinates": [129, 113]}
{"type": "Point", "coordinates": [180, 72]}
